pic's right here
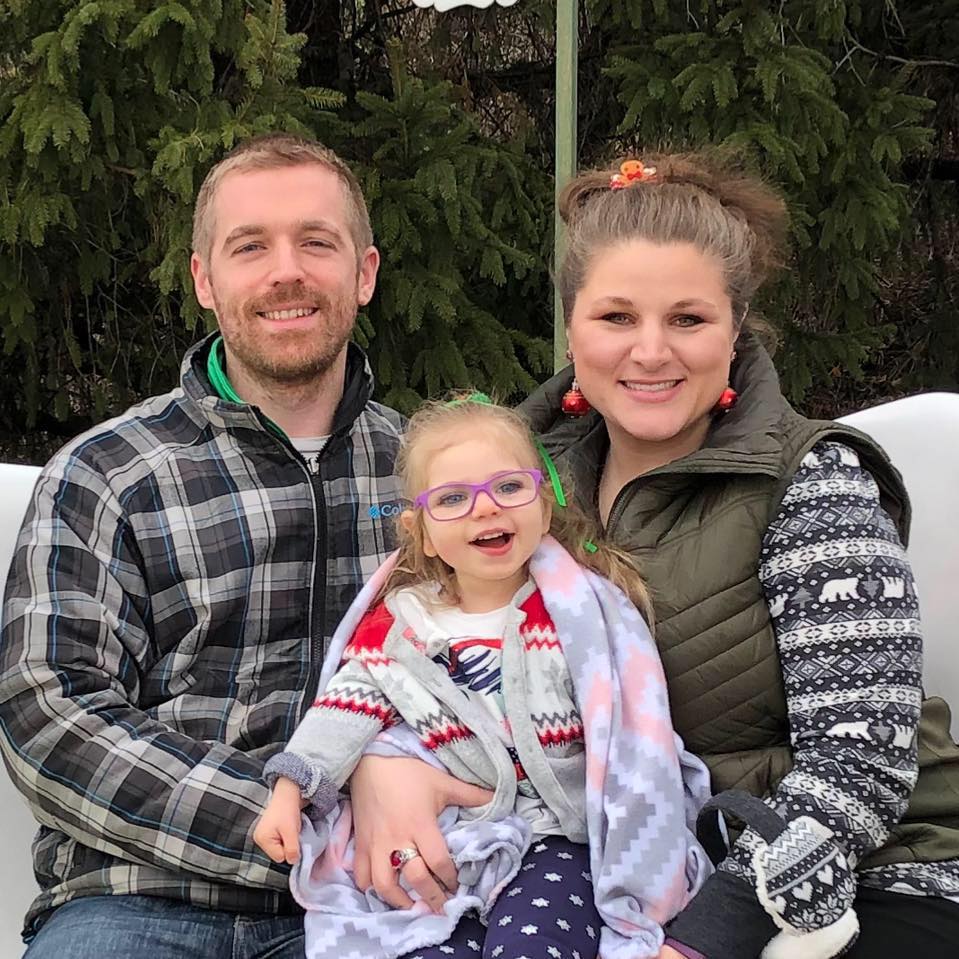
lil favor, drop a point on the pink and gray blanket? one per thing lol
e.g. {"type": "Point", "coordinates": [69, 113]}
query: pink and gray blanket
{"type": "Point", "coordinates": [642, 794]}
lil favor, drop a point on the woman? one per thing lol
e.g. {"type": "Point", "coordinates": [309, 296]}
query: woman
{"type": "Point", "coordinates": [786, 614]}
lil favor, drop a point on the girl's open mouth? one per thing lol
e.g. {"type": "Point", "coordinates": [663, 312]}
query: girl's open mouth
{"type": "Point", "coordinates": [492, 542]}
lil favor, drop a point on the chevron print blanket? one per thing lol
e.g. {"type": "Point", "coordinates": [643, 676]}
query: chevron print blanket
{"type": "Point", "coordinates": [642, 794]}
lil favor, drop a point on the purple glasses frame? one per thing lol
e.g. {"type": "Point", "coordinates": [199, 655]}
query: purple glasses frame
{"type": "Point", "coordinates": [476, 489]}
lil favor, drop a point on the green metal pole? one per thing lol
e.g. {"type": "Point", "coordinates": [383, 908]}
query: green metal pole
{"type": "Point", "coordinates": [567, 61]}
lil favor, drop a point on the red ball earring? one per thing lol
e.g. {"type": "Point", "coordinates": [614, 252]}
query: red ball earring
{"type": "Point", "coordinates": [574, 403]}
{"type": "Point", "coordinates": [727, 400]}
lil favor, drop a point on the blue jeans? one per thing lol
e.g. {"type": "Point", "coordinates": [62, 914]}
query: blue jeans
{"type": "Point", "coordinates": [121, 927]}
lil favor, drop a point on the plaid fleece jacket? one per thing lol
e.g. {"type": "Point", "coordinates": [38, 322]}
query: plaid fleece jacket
{"type": "Point", "coordinates": [175, 584]}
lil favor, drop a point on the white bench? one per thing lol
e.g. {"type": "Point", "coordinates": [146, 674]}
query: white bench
{"type": "Point", "coordinates": [921, 436]}
{"type": "Point", "coordinates": [920, 433]}
{"type": "Point", "coordinates": [17, 888]}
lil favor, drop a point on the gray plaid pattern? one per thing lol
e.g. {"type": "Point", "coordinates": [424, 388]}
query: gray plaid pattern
{"type": "Point", "coordinates": [173, 590]}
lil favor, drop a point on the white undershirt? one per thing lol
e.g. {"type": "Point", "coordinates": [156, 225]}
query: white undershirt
{"type": "Point", "coordinates": [310, 447]}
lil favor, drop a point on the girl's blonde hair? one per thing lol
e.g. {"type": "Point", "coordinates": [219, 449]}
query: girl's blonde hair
{"type": "Point", "coordinates": [705, 199]}
{"type": "Point", "coordinates": [439, 424]}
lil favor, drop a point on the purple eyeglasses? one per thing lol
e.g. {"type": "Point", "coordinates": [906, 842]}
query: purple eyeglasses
{"type": "Point", "coordinates": [507, 489]}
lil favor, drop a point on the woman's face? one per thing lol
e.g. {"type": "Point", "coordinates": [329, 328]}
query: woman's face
{"type": "Point", "coordinates": [651, 335]}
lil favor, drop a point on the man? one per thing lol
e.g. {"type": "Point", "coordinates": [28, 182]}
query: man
{"type": "Point", "coordinates": [180, 572]}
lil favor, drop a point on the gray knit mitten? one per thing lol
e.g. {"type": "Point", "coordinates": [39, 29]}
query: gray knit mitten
{"type": "Point", "coordinates": [803, 879]}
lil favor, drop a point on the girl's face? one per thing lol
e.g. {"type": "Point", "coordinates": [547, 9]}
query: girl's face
{"type": "Point", "coordinates": [488, 549]}
{"type": "Point", "coordinates": [652, 334]}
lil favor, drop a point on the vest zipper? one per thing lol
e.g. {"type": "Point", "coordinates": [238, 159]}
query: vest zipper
{"type": "Point", "coordinates": [616, 510]}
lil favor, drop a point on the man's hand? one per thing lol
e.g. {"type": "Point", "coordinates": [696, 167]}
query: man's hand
{"type": "Point", "coordinates": [278, 831]}
{"type": "Point", "coordinates": [395, 806]}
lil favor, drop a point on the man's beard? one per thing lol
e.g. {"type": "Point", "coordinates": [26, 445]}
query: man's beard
{"type": "Point", "coordinates": [295, 357]}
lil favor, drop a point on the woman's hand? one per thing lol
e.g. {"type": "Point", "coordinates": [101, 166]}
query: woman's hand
{"type": "Point", "coordinates": [278, 831]}
{"type": "Point", "coordinates": [668, 952]}
{"type": "Point", "coordinates": [395, 806]}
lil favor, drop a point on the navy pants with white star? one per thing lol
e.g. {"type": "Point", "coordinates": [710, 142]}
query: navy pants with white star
{"type": "Point", "coordinates": [546, 912]}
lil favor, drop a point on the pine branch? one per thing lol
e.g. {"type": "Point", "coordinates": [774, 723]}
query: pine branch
{"type": "Point", "coordinates": [950, 64]}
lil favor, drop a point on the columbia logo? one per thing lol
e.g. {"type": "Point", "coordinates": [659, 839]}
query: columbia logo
{"type": "Point", "coordinates": [386, 510]}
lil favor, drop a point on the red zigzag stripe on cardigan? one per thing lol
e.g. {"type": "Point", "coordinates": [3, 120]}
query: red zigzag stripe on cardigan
{"type": "Point", "coordinates": [561, 737]}
{"type": "Point", "coordinates": [366, 645]}
{"type": "Point", "coordinates": [385, 714]}
{"type": "Point", "coordinates": [434, 740]}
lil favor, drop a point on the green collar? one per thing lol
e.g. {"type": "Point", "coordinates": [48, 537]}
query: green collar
{"type": "Point", "coordinates": [217, 375]}
{"type": "Point", "coordinates": [221, 383]}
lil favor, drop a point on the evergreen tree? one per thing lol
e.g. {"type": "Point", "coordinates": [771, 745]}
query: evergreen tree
{"type": "Point", "coordinates": [459, 222]}
{"type": "Point", "coordinates": [110, 113]}
{"type": "Point", "coordinates": [784, 86]}
{"type": "Point", "coordinates": [111, 116]}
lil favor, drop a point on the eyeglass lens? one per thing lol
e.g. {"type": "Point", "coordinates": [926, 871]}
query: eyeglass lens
{"type": "Point", "coordinates": [456, 500]}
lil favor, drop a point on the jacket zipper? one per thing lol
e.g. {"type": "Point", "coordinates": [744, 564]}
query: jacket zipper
{"type": "Point", "coordinates": [316, 623]}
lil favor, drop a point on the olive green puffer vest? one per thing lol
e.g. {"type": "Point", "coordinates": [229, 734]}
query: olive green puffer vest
{"type": "Point", "coordinates": [696, 527]}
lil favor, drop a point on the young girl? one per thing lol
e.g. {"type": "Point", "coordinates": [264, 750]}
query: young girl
{"type": "Point", "coordinates": [495, 650]}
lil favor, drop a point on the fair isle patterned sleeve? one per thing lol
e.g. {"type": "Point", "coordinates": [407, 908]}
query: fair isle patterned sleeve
{"type": "Point", "coordinates": [337, 728]}
{"type": "Point", "coordinates": [844, 607]}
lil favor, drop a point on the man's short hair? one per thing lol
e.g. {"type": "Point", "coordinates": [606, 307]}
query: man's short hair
{"type": "Point", "coordinates": [272, 151]}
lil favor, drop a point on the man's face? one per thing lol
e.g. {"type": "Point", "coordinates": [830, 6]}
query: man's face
{"type": "Point", "coordinates": [283, 276]}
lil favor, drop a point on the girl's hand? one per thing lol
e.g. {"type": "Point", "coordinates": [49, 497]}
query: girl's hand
{"type": "Point", "coordinates": [278, 831]}
{"type": "Point", "coordinates": [395, 805]}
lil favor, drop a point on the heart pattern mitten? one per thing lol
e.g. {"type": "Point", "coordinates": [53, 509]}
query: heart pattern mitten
{"type": "Point", "coordinates": [803, 878]}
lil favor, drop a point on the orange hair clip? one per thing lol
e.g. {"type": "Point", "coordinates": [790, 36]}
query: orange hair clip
{"type": "Point", "coordinates": [632, 171]}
